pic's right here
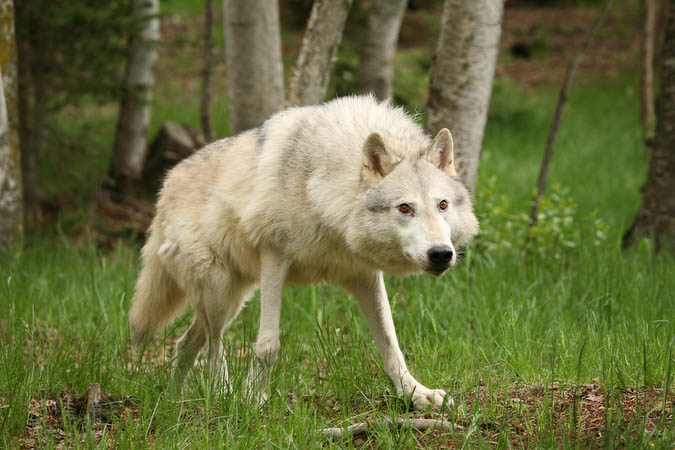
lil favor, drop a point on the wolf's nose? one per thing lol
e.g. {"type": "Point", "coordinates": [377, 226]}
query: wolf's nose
{"type": "Point", "coordinates": [440, 255]}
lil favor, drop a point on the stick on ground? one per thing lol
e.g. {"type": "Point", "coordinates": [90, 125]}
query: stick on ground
{"type": "Point", "coordinates": [358, 429]}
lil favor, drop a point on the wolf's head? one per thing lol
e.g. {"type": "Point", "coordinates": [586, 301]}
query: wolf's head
{"type": "Point", "coordinates": [414, 213]}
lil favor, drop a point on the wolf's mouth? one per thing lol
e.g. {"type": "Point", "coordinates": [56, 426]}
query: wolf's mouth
{"type": "Point", "coordinates": [436, 271]}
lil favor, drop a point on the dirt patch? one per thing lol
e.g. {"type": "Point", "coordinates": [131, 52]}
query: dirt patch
{"type": "Point", "coordinates": [52, 419]}
{"type": "Point", "coordinates": [589, 416]}
{"type": "Point", "coordinates": [537, 43]}
{"type": "Point", "coordinates": [586, 414]}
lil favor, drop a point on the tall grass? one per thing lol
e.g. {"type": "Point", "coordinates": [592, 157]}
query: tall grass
{"type": "Point", "coordinates": [497, 321]}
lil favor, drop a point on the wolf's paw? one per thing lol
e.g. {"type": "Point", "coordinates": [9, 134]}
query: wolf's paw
{"type": "Point", "coordinates": [256, 397]}
{"type": "Point", "coordinates": [423, 398]}
{"type": "Point", "coordinates": [255, 388]}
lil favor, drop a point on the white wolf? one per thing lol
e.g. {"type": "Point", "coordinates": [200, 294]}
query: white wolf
{"type": "Point", "coordinates": [339, 192]}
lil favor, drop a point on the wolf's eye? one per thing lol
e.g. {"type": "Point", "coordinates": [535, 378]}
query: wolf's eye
{"type": "Point", "coordinates": [443, 205]}
{"type": "Point", "coordinates": [404, 208]}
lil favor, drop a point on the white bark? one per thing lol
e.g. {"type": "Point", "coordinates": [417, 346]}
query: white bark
{"type": "Point", "coordinates": [319, 46]}
{"type": "Point", "coordinates": [131, 140]}
{"type": "Point", "coordinates": [255, 84]}
{"type": "Point", "coordinates": [461, 77]}
{"type": "Point", "coordinates": [11, 208]}
{"type": "Point", "coordinates": [376, 71]}
{"type": "Point", "coordinates": [9, 64]}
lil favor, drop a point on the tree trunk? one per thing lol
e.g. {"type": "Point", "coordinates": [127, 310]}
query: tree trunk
{"type": "Point", "coordinates": [131, 139]}
{"type": "Point", "coordinates": [11, 205]}
{"type": "Point", "coordinates": [660, 29]}
{"type": "Point", "coordinates": [255, 84]}
{"type": "Point", "coordinates": [209, 53]}
{"type": "Point", "coordinates": [656, 217]}
{"type": "Point", "coordinates": [462, 71]}
{"type": "Point", "coordinates": [376, 70]}
{"type": "Point", "coordinates": [27, 116]}
{"type": "Point", "coordinates": [319, 46]}
{"type": "Point", "coordinates": [647, 75]}
{"type": "Point", "coordinates": [9, 64]}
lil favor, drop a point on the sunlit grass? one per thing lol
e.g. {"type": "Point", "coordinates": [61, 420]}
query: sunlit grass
{"type": "Point", "coordinates": [497, 321]}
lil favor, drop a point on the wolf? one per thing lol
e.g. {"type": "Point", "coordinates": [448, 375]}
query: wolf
{"type": "Point", "coordinates": [339, 192]}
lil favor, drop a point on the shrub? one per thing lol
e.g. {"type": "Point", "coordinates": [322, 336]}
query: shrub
{"type": "Point", "coordinates": [557, 232]}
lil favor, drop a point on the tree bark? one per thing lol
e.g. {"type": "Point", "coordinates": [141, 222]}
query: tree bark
{"type": "Point", "coordinates": [319, 46]}
{"type": "Point", "coordinates": [656, 217]}
{"type": "Point", "coordinates": [209, 53]}
{"type": "Point", "coordinates": [9, 64]}
{"type": "Point", "coordinates": [11, 205]}
{"type": "Point", "coordinates": [462, 72]}
{"type": "Point", "coordinates": [131, 139]}
{"type": "Point", "coordinates": [27, 116]}
{"type": "Point", "coordinates": [376, 70]}
{"type": "Point", "coordinates": [647, 75]}
{"type": "Point", "coordinates": [255, 84]}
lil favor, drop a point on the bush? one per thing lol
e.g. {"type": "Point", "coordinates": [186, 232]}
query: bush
{"type": "Point", "coordinates": [557, 232]}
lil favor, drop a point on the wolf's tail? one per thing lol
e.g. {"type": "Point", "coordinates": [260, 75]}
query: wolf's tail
{"type": "Point", "coordinates": [157, 298]}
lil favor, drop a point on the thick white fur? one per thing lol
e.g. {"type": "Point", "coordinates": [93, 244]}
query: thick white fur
{"type": "Point", "coordinates": [301, 199]}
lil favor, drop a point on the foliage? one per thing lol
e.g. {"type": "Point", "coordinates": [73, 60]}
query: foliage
{"type": "Point", "coordinates": [77, 48]}
{"type": "Point", "coordinates": [344, 78]}
{"type": "Point", "coordinates": [411, 77]}
{"type": "Point", "coordinates": [557, 231]}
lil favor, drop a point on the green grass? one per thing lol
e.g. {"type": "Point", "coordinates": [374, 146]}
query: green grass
{"type": "Point", "coordinates": [499, 321]}
{"type": "Point", "coordinates": [599, 154]}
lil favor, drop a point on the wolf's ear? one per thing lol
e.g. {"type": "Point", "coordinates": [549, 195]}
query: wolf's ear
{"type": "Point", "coordinates": [440, 153]}
{"type": "Point", "coordinates": [376, 158]}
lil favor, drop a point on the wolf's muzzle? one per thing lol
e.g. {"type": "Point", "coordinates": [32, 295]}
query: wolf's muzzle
{"type": "Point", "coordinates": [440, 257]}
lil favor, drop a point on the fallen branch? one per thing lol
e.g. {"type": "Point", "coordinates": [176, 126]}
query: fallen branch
{"type": "Point", "coordinates": [358, 429]}
{"type": "Point", "coordinates": [562, 100]}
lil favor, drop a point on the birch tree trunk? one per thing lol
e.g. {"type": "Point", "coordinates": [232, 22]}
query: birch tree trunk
{"type": "Point", "coordinates": [376, 70]}
{"type": "Point", "coordinates": [656, 217]}
{"type": "Point", "coordinates": [462, 71]}
{"type": "Point", "coordinates": [255, 84]}
{"type": "Point", "coordinates": [131, 139]}
{"type": "Point", "coordinates": [209, 53]}
{"type": "Point", "coordinates": [319, 46]}
{"type": "Point", "coordinates": [10, 67]}
{"type": "Point", "coordinates": [11, 206]}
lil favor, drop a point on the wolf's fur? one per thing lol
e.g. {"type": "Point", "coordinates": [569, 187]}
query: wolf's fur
{"type": "Point", "coordinates": [312, 195]}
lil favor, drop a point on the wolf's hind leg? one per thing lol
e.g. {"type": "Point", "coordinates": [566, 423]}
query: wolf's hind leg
{"type": "Point", "coordinates": [273, 270]}
{"type": "Point", "coordinates": [371, 294]}
{"type": "Point", "coordinates": [188, 347]}
{"type": "Point", "coordinates": [221, 308]}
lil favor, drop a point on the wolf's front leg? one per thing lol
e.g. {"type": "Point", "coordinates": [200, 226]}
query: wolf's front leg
{"type": "Point", "coordinates": [371, 294]}
{"type": "Point", "coordinates": [273, 270]}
